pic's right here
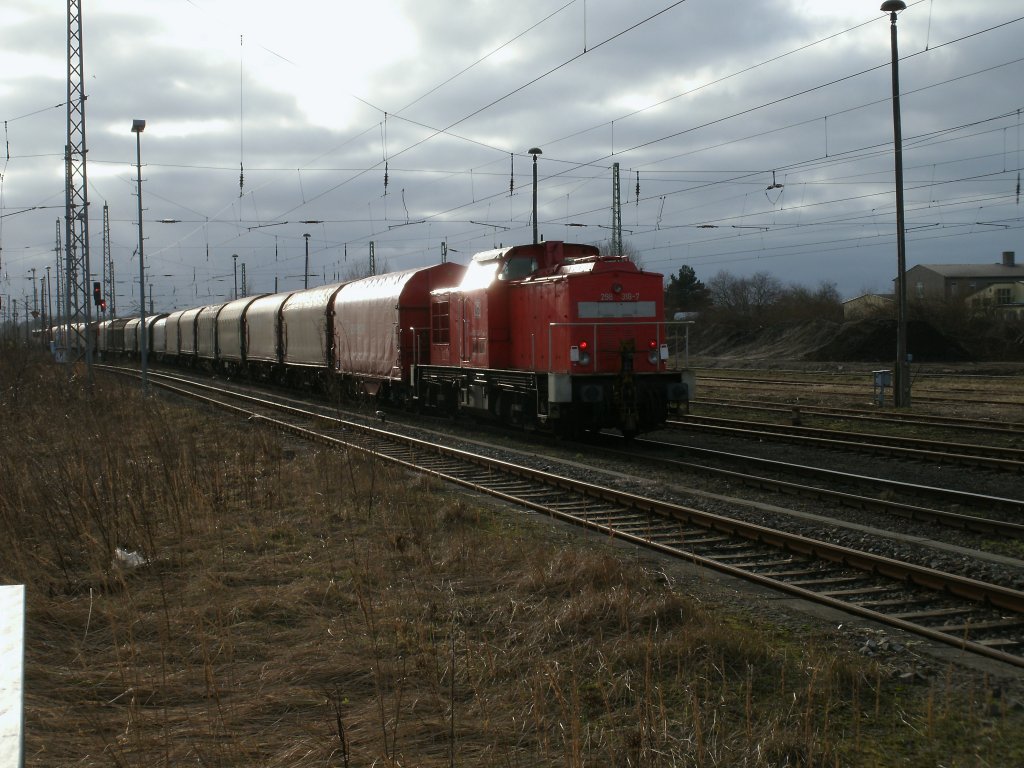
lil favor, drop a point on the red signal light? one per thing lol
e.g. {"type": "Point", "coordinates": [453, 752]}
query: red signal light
{"type": "Point", "coordinates": [584, 346]}
{"type": "Point", "coordinates": [652, 344]}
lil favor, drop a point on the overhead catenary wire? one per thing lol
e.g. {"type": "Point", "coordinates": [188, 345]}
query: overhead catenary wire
{"type": "Point", "coordinates": [653, 171]}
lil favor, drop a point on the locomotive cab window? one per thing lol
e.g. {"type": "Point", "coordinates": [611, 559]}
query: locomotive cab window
{"type": "Point", "coordinates": [439, 328]}
{"type": "Point", "coordinates": [518, 268]}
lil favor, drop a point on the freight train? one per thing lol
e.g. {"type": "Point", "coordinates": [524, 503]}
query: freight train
{"type": "Point", "coordinates": [551, 334]}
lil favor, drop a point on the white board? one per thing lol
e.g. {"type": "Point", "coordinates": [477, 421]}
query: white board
{"type": "Point", "coordinates": [12, 680]}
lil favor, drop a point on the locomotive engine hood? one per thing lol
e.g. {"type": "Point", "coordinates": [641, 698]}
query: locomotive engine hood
{"type": "Point", "coordinates": [524, 262]}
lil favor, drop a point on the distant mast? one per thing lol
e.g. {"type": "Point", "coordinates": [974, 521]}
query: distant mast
{"type": "Point", "coordinates": [616, 213]}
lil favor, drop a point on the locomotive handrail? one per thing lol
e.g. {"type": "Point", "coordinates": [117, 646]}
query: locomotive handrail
{"type": "Point", "coordinates": [659, 325]}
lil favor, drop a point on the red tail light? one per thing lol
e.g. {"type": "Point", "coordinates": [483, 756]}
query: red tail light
{"type": "Point", "coordinates": [584, 346]}
{"type": "Point", "coordinates": [652, 344]}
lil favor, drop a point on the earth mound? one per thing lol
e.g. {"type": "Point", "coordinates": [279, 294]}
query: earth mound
{"type": "Point", "coordinates": [869, 340]}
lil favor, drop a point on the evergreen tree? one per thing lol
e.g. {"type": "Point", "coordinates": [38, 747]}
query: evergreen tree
{"type": "Point", "coordinates": [685, 293]}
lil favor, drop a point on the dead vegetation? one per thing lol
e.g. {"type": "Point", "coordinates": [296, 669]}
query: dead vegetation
{"type": "Point", "coordinates": [287, 606]}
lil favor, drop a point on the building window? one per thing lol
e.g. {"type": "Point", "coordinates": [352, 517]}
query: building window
{"type": "Point", "coordinates": [920, 290]}
{"type": "Point", "coordinates": [1002, 295]}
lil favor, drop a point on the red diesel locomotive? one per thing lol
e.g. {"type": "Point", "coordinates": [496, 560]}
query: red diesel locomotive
{"type": "Point", "coordinates": [557, 334]}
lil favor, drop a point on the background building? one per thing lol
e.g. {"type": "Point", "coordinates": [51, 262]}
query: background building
{"type": "Point", "coordinates": [930, 283]}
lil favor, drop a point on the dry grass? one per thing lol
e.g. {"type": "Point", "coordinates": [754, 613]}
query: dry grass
{"type": "Point", "coordinates": [303, 608]}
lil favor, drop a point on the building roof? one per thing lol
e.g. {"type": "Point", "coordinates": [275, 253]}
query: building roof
{"type": "Point", "coordinates": [883, 296]}
{"type": "Point", "coordinates": [988, 271]}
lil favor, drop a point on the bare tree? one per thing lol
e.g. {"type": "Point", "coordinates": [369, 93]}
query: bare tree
{"type": "Point", "coordinates": [628, 250]}
{"type": "Point", "coordinates": [764, 291]}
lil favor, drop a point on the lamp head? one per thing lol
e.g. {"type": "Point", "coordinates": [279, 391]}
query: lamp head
{"type": "Point", "coordinates": [893, 6]}
{"type": "Point", "coordinates": [535, 151]}
{"type": "Point", "coordinates": [138, 126]}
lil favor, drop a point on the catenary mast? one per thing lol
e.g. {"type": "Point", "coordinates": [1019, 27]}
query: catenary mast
{"type": "Point", "coordinates": [616, 213]}
{"type": "Point", "coordinates": [77, 315]}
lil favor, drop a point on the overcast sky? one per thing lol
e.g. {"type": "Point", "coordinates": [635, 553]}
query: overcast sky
{"type": "Point", "coordinates": [759, 133]}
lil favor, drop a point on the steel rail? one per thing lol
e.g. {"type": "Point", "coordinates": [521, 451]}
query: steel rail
{"type": "Point", "coordinates": [915, 512]}
{"type": "Point", "coordinates": [1009, 459]}
{"type": "Point", "coordinates": [858, 414]}
{"type": "Point", "coordinates": [919, 396]}
{"type": "Point", "coordinates": [946, 494]}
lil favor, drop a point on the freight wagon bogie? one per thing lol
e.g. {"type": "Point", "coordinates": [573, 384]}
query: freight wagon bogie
{"type": "Point", "coordinates": [507, 396]}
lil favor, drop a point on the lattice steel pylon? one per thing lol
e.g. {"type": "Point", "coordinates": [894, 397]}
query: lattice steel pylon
{"type": "Point", "coordinates": [78, 314]}
{"type": "Point", "coordinates": [108, 265]}
{"type": "Point", "coordinates": [60, 267]}
{"type": "Point", "coordinates": [616, 213]}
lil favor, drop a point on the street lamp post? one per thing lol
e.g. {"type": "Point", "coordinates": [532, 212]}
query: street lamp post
{"type": "Point", "coordinates": [535, 151]}
{"type": "Point", "coordinates": [901, 388]}
{"type": "Point", "coordinates": [305, 272]}
{"type": "Point", "coordinates": [138, 126]}
{"type": "Point", "coordinates": [234, 262]}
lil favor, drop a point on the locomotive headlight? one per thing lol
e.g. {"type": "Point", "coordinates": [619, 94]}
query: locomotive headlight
{"type": "Point", "coordinates": [616, 287]}
{"type": "Point", "coordinates": [652, 357]}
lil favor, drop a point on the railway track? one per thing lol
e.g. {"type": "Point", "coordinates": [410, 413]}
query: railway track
{"type": "Point", "coordinates": [991, 526]}
{"type": "Point", "coordinates": [862, 415]}
{"type": "Point", "coordinates": [1004, 397]}
{"type": "Point", "coordinates": [977, 617]}
{"type": "Point", "coordinates": [967, 454]}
